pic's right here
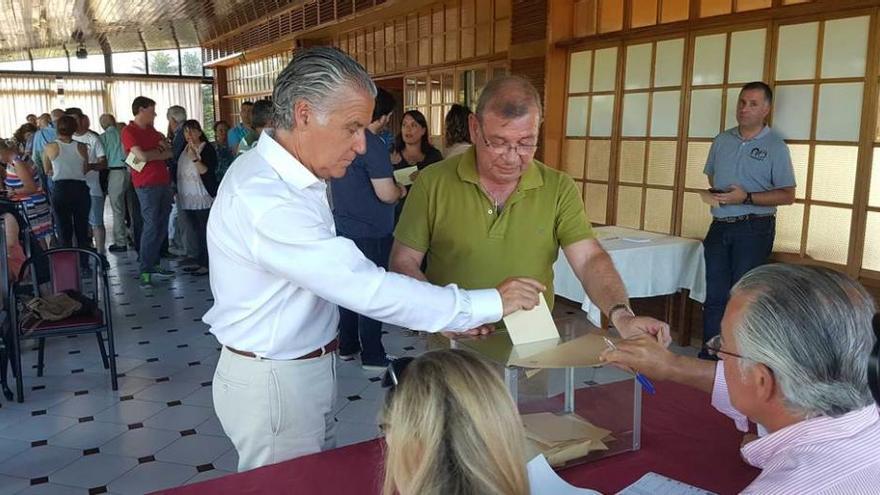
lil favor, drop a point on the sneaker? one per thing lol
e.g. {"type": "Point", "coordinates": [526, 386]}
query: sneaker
{"type": "Point", "coordinates": [348, 357]}
{"type": "Point", "coordinates": [380, 366]}
{"type": "Point", "coordinates": [146, 281]}
{"type": "Point", "coordinates": [116, 248]}
{"type": "Point", "coordinates": [161, 273]}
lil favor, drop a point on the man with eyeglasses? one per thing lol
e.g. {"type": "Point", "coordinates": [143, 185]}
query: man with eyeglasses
{"type": "Point", "coordinates": [494, 210]}
{"type": "Point", "coordinates": [796, 354]}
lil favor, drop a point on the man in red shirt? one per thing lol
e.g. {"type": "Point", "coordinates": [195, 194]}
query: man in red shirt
{"type": "Point", "coordinates": [152, 183]}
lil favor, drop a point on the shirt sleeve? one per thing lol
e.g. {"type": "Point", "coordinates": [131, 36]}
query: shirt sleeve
{"type": "Point", "coordinates": [721, 400]}
{"type": "Point", "coordinates": [709, 169]}
{"type": "Point", "coordinates": [99, 148]}
{"type": "Point", "coordinates": [782, 171]}
{"type": "Point", "coordinates": [377, 160]}
{"type": "Point", "coordinates": [334, 269]}
{"type": "Point", "coordinates": [128, 140]}
{"type": "Point", "coordinates": [571, 218]}
{"type": "Point", "coordinates": [414, 226]}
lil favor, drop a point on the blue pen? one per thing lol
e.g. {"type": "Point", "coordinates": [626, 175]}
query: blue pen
{"type": "Point", "coordinates": [646, 384]}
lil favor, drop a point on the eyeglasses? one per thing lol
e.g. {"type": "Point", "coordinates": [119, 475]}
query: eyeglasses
{"type": "Point", "coordinates": [504, 148]}
{"type": "Point", "coordinates": [394, 372]}
{"type": "Point", "coordinates": [713, 348]}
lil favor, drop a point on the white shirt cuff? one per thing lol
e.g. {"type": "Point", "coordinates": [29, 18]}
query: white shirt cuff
{"type": "Point", "coordinates": [486, 306]}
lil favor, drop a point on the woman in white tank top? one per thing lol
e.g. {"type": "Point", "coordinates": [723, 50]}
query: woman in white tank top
{"type": "Point", "coordinates": [66, 163]}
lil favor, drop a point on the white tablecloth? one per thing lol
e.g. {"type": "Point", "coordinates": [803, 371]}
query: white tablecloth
{"type": "Point", "coordinates": [650, 265]}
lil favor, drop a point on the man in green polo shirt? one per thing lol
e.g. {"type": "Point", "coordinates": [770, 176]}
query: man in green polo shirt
{"type": "Point", "coordinates": [494, 211]}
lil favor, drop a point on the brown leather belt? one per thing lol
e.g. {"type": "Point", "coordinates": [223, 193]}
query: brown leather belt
{"type": "Point", "coordinates": [327, 349]}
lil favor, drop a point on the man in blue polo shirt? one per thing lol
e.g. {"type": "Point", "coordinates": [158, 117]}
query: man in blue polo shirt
{"type": "Point", "coordinates": [749, 169]}
{"type": "Point", "coordinates": [363, 211]}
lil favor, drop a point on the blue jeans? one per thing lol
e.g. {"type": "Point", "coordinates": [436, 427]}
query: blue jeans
{"type": "Point", "coordinates": [731, 250]}
{"type": "Point", "coordinates": [155, 204]}
{"type": "Point", "coordinates": [357, 332]}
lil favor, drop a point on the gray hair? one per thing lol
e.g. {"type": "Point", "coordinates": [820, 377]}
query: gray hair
{"type": "Point", "coordinates": [510, 97]}
{"type": "Point", "coordinates": [812, 327]}
{"type": "Point", "coordinates": [177, 113]}
{"type": "Point", "coordinates": [316, 75]}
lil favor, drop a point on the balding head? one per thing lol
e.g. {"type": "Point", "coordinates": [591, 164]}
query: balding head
{"type": "Point", "coordinates": [509, 97]}
{"type": "Point", "coordinates": [107, 120]}
{"type": "Point", "coordinates": [57, 114]}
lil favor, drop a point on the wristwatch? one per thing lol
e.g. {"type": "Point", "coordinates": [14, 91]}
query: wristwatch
{"type": "Point", "coordinates": [748, 200]}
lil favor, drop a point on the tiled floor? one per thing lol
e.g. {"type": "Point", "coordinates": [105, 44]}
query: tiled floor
{"type": "Point", "coordinates": [74, 435]}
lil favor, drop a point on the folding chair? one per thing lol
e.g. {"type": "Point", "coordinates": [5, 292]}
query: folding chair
{"type": "Point", "coordinates": [66, 273]}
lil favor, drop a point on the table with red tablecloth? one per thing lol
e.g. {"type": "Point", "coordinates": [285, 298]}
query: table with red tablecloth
{"type": "Point", "coordinates": [683, 437]}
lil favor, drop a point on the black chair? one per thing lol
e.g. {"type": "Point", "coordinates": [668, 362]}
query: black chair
{"type": "Point", "coordinates": [66, 273]}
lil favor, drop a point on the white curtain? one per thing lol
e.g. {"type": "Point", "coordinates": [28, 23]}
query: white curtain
{"type": "Point", "coordinates": [20, 96]}
{"type": "Point", "coordinates": [187, 94]}
{"type": "Point", "coordinates": [86, 94]}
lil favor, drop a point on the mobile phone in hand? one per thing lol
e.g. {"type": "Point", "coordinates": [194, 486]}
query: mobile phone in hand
{"type": "Point", "coordinates": [715, 190]}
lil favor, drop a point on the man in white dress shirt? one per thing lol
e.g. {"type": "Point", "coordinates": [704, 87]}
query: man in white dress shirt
{"type": "Point", "coordinates": [278, 270]}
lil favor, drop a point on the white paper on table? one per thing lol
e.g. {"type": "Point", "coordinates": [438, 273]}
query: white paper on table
{"type": "Point", "coordinates": [544, 481]}
{"type": "Point", "coordinates": [534, 325]}
{"type": "Point", "coordinates": [402, 175]}
{"type": "Point", "coordinates": [656, 484]}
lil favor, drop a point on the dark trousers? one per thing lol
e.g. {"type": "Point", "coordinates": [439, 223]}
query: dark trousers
{"type": "Point", "coordinates": [155, 208]}
{"type": "Point", "coordinates": [731, 250]}
{"type": "Point", "coordinates": [71, 203]}
{"type": "Point", "coordinates": [198, 222]}
{"type": "Point", "coordinates": [357, 332]}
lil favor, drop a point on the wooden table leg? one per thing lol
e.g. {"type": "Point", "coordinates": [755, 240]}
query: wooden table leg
{"type": "Point", "coordinates": [684, 318]}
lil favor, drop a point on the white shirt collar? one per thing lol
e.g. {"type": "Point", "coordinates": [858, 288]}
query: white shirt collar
{"type": "Point", "coordinates": [288, 167]}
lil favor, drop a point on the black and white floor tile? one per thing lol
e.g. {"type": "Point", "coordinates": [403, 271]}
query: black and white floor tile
{"type": "Point", "coordinates": [73, 434]}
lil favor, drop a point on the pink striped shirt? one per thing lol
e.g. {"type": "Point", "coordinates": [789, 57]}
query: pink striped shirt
{"type": "Point", "coordinates": [821, 455]}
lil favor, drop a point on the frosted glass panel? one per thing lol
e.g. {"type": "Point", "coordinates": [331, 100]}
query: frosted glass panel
{"type": "Point", "coordinates": [629, 207]}
{"type": "Point", "coordinates": [596, 202]}
{"type": "Point", "coordinates": [658, 210]}
{"type": "Point", "coordinates": [695, 217]}
{"type": "Point", "coordinates": [697, 153]}
{"type": "Point", "coordinates": [828, 234]}
{"type": "Point", "coordinates": [793, 111]}
{"type": "Point", "coordinates": [730, 108]}
{"type": "Point", "coordinates": [598, 159]}
{"type": "Point", "coordinates": [871, 258]}
{"type": "Point", "coordinates": [601, 115]}
{"type": "Point", "coordinates": [789, 228]}
{"type": "Point", "coordinates": [573, 157]}
{"type": "Point", "coordinates": [834, 173]}
{"type": "Point", "coordinates": [632, 161]}
{"type": "Point", "coordinates": [796, 55]}
{"type": "Point", "coordinates": [635, 114]}
{"type": "Point", "coordinates": [840, 110]}
{"type": "Point", "coordinates": [638, 66]}
{"type": "Point", "coordinates": [746, 56]}
{"type": "Point", "coordinates": [661, 162]}
{"type": "Point", "coordinates": [874, 197]}
{"type": "Point", "coordinates": [709, 59]}
{"type": "Point", "coordinates": [664, 113]}
{"type": "Point", "coordinates": [705, 113]}
{"type": "Point", "coordinates": [579, 72]}
{"type": "Point", "coordinates": [576, 117]}
{"type": "Point", "coordinates": [844, 47]}
{"type": "Point", "coordinates": [800, 158]}
{"type": "Point", "coordinates": [605, 69]}
{"type": "Point", "coordinates": [667, 63]}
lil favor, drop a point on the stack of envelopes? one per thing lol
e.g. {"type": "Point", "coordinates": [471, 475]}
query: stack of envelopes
{"type": "Point", "coordinates": [562, 438]}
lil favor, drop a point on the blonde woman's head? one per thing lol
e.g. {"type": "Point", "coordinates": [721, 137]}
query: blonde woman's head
{"type": "Point", "coordinates": [452, 428]}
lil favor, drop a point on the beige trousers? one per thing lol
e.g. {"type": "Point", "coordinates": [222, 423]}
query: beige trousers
{"type": "Point", "coordinates": [275, 410]}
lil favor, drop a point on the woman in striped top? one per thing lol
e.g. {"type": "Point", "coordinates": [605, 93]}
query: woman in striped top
{"type": "Point", "coordinates": [23, 185]}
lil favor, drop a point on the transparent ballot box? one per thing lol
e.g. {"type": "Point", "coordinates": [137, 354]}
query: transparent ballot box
{"type": "Point", "coordinates": [573, 410]}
